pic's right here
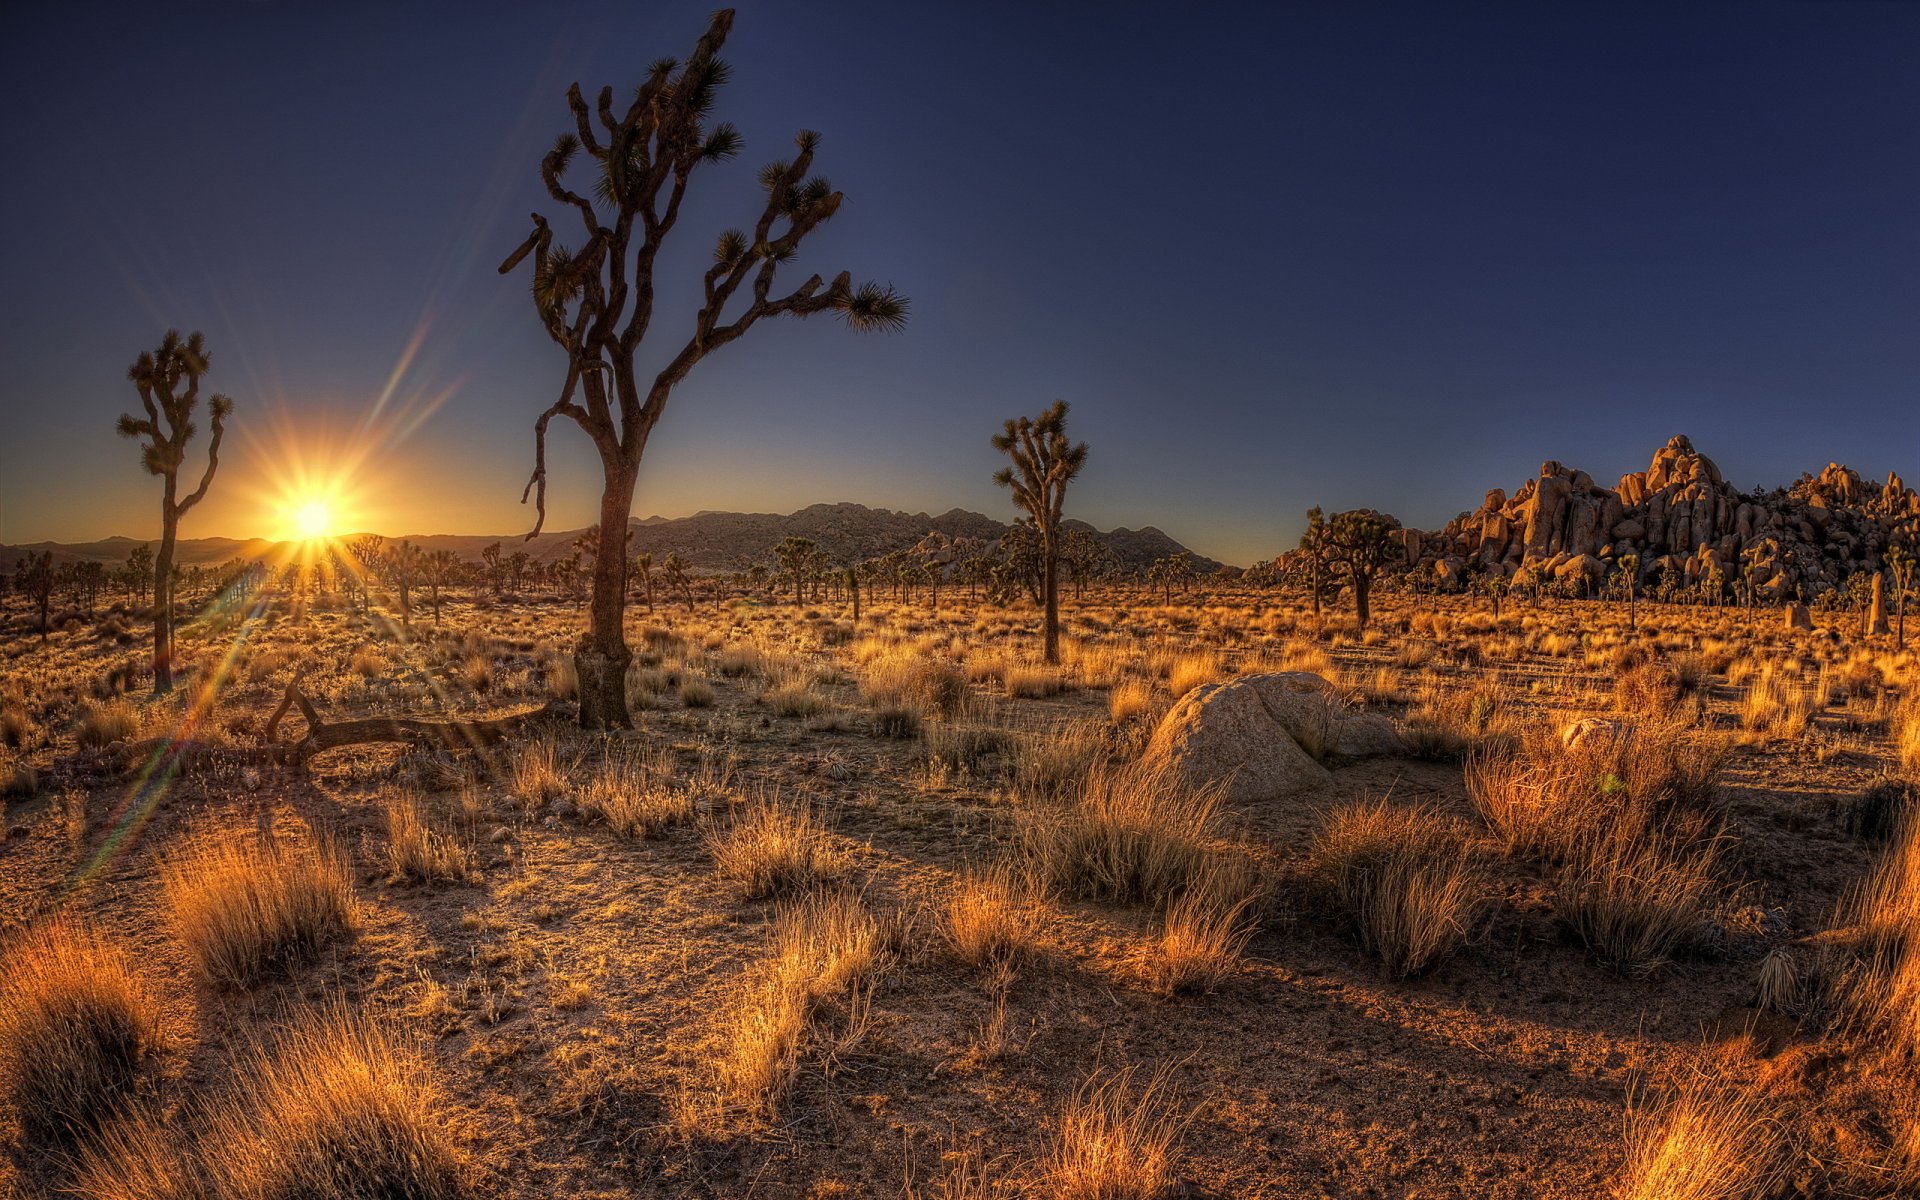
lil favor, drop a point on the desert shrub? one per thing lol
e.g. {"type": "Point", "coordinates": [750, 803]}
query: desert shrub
{"type": "Point", "coordinates": [902, 677]}
{"type": "Point", "coordinates": [736, 662]}
{"type": "Point", "coordinates": [75, 1026]}
{"type": "Point", "coordinates": [1138, 832]}
{"type": "Point", "coordinates": [795, 698]}
{"type": "Point", "coordinates": [965, 745]}
{"type": "Point", "coordinates": [341, 1109]}
{"type": "Point", "coordinates": [990, 919]}
{"type": "Point", "coordinates": [1777, 705]}
{"type": "Point", "coordinates": [1706, 1141]}
{"type": "Point", "coordinates": [247, 910]}
{"type": "Point", "coordinates": [16, 726]}
{"type": "Point", "coordinates": [420, 848]}
{"type": "Point", "coordinates": [103, 724]}
{"type": "Point", "coordinates": [1880, 812]}
{"type": "Point", "coordinates": [1906, 738]}
{"type": "Point", "coordinates": [1114, 1142]}
{"type": "Point", "coordinates": [1884, 908]}
{"type": "Point", "coordinates": [368, 662]}
{"type": "Point", "coordinates": [1403, 879]}
{"type": "Point", "coordinates": [563, 678]}
{"type": "Point", "coordinates": [696, 692]}
{"type": "Point", "coordinates": [18, 779]}
{"type": "Point", "coordinates": [637, 796]}
{"type": "Point", "coordinates": [775, 848]}
{"type": "Point", "coordinates": [825, 949]}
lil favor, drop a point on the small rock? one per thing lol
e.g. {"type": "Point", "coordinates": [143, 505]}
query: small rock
{"type": "Point", "coordinates": [499, 835]}
{"type": "Point", "coordinates": [562, 807]}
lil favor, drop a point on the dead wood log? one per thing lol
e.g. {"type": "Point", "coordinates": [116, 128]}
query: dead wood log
{"type": "Point", "coordinates": [321, 736]}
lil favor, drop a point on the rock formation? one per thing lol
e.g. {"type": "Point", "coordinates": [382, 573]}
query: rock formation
{"type": "Point", "coordinates": [1251, 734]}
{"type": "Point", "coordinates": [1679, 514]}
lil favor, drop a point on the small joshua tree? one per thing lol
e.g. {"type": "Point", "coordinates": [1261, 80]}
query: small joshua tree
{"type": "Point", "coordinates": [441, 567]}
{"type": "Point", "coordinates": [168, 380]}
{"type": "Point", "coordinates": [1900, 565]}
{"type": "Point", "coordinates": [1358, 544]}
{"type": "Point", "coordinates": [403, 562]}
{"type": "Point", "coordinates": [36, 579]}
{"type": "Point", "coordinates": [1629, 565]}
{"type": "Point", "coordinates": [596, 302]}
{"type": "Point", "coordinates": [1313, 543]}
{"type": "Point", "coordinates": [1044, 462]}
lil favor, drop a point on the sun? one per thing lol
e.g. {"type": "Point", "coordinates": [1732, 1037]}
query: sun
{"type": "Point", "coordinates": [311, 519]}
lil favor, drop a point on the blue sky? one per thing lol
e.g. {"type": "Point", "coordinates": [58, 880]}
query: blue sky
{"type": "Point", "coordinates": [1275, 256]}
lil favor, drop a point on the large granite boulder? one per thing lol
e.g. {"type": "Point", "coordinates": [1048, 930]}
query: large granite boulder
{"type": "Point", "coordinates": [1255, 733]}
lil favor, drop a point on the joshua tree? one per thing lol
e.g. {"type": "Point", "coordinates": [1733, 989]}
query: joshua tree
{"type": "Point", "coordinates": [596, 303]}
{"type": "Point", "coordinates": [1900, 565]}
{"type": "Point", "coordinates": [441, 567]}
{"type": "Point", "coordinates": [1357, 543]}
{"type": "Point", "coordinates": [496, 566]}
{"type": "Point", "coordinates": [35, 577]}
{"type": "Point", "coordinates": [168, 380]}
{"type": "Point", "coordinates": [1629, 565]}
{"type": "Point", "coordinates": [673, 573]}
{"type": "Point", "coordinates": [1044, 462]}
{"type": "Point", "coordinates": [793, 554]}
{"type": "Point", "coordinates": [641, 565]}
{"type": "Point", "coordinates": [138, 573]}
{"type": "Point", "coordinates": [403, 563]}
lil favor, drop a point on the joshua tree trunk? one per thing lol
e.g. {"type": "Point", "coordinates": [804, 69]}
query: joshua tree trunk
{"type": "Point", "coordinates": [163, 596]}
{"type": "Point", "coordinates": [1051, 587]}
{"type": "Point", "coordinates": [602, 656]}
{"type": "Point", "coordinates": [1362, 611]}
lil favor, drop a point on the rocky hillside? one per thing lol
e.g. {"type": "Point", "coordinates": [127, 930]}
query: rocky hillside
{"type": "Point", "coordinates": [707, 541]}
{"type": "Point", "coordinates": [1679, 512]}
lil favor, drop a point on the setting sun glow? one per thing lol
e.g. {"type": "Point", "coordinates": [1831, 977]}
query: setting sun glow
{"type": "Point", "coordinates": [312, 519]}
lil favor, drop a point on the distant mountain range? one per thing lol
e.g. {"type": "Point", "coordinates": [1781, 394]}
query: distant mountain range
{"type": "Point", "coordinates": [706, 541]}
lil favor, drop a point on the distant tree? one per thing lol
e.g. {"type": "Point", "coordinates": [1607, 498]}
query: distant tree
{"type": "Point", "coordinates": [1317, 551]}
{"type": "Point", "coordinates": [496, 566]}
{"type": "Point", "coordinates": [137, 575]}
{"type": "Point", "coordinates": [793, 555]}
{"type": "Point", "coordinates": [440, 568]}
{"type": "Point", "coordinates": [1086, 557]}
{"type": "Point", "coordinates": [168, 380]}
{"type": "Point", "coordinates": [640, 566]}
{"type": "Point", "coordinates": [1629, 565]}
{"type": "Point", "coordinates": [1900, 565]}
{"type": "Point", "coordinates": [596, 304]}
{"type": "Point", "coordinates": [403, 565]}
{"type": "Point", "coordinates": [517, 564]}
{"type": "Point", "coordinates": [35, 578]}
{"type": "Point", "coordinates": [673, 573]}
{"type": "Point", "coordinates": [1043, 463]}
{"type": "Point", "coordinates": [1358, 545]}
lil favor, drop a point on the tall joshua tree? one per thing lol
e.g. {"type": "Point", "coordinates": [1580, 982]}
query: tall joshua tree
{"type": "Point", "coordinates": [596, 303]}
{"type": "Point", "coordinates": [1358, 543]}
{"type": "Point", "coordinates": [1044, 462]}
{"type": "Point", "coordinates": [168, 380]}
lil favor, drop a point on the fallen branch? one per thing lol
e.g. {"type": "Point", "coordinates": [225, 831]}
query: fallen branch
{"type": "Point", "coordinates": [321, 736]}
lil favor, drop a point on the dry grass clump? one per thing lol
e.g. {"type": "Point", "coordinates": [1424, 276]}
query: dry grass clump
{"type": "Point", "coordinates": [775, 848]}
{"type": "Point", "coordinates": [1706, 1141]}
{"type": "Point", "coordinates": [1200, 941]}
{"type": "Point", "coordinates": [1189, 671]}
{"type": "Point", "coordinates": [247, 910]}
{"type": "Point", "coordinates": [795, 698]}
{"type": "Point", "coordinates": [1051, 763]}
{"type": "Point", "coordinates": [1033, 681]}
{"type": "Point", "coordinates": [696, 692]}
{"type": "Point", "coordinates": [538, 776]}
{"type": "Point", "coordinates": [368, 662]}
{"type": "Point", "coordinates": [825, 950]}
{"type": "Point", "coordinates": [1447, 724]}
{"type": "Point", "coordinates": [1546, 797]}
{"type": "Point", "coordinates": [904, 678]}
{"type": "Point", "coordinates": [1114, 1143]}
{"type": "Point", "coordinates": [1778, 705]}
{"type": "Point", "coordinates": [991, 919]}
{"type": "Point", "coordinates": [75, 1026]}
{"type": "Point", "coordinates": [341, 1110]}
{"type": "Point", "coordinates": [105, 724]}
{"type": "Point", "coordinates": [16, 726]}
{"type": "Point", "coordinates": [638, 796]}
{"type": "Point", "coordinates": [420, 848]}
{"type": "Point", "coordinates": [1129, 699]}
{"type": "Point", "coordinates": [1404, 880]}
{"type": "Point", "coordinates": [563, 678]}
{"type": "Point", "coordinates": [137, 1157]}
{"type": "Point", "coordinates": [1134, 833]}
{"type": "Point", "coordinates": [1906, 738]}
{"type": "Point", "coordinates": [1639, 894]}
{"type": "Point", "coordinates": [1649, 689]}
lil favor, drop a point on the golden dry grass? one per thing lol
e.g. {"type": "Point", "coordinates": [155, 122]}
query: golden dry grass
{"type": "Point", "coordinates": [775, 847]}
{"type": "Point", "coordinates": [1706, 1141]}
{"type": "Point", "coordinates": [421, 848]}
{"type": "Point", "coordinates": [1404, 880]}
{"type": "Point", "coordinates": [637, 795]}
{"type": "Point", "coordinates": [76, 1024]}
{"type": "Point", "coordinates": [991, 919]}
{"type": "Point", "coordinates": [1114, 1141]}
{"type": "Point", "coordinates": [246, 910]}
{"type": "Point", "coordinates": [1134, 833]}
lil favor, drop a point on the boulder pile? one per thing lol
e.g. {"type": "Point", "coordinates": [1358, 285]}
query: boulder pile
{"type": "Point", "coordinates": [1679, 514]}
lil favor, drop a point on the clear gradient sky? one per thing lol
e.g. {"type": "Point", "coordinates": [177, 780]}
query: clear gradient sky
{"type": "Point", "coordinates": [1275, 255]}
